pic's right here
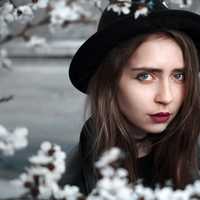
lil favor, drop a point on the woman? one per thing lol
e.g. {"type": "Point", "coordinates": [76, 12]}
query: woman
{"type": "Point", "coordinates": [140, 71]}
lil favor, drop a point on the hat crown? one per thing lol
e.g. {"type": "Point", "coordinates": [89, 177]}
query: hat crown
{"type": "Point", "coordinates": [118, 9]}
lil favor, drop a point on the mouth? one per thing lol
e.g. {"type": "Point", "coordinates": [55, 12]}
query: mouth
{"type": "Point", "coordinates": [160, 117]}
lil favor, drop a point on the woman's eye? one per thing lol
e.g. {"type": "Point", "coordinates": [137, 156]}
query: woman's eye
{"type": "Point", "coordinates": [179, 76]}
{"type": "Point", "coordinates": [143, 76]}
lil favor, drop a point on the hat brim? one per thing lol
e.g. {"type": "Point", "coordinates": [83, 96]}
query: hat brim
{"type": "Point", "coordinates": [91, 53]}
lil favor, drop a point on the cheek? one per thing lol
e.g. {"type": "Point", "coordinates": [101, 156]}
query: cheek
{"type": "Point", "coordinates": [134, 98]}
{"type": "Point", "coordinates": [179, 94]}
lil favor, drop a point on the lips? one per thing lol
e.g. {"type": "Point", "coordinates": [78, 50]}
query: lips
{"type": "Point", "coordinates": [161, 114]}
{"type": "Point", "coordinates": [160, 117]}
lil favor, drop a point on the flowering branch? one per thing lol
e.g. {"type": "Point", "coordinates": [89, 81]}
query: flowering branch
{"type": "Point", "coordinates": [59, 12]}
{"type": "Point", "coordinates": [47, 166]}
{"type": "Point", "coordinates": [40, 179]}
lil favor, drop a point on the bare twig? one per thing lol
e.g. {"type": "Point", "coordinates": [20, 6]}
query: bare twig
{"type": "Point", "coordinates": [70, 2]}
{"type": "Point", "coordinates": [6, 99]}
{"type": "Point", "coordinates": [12, 2]}
{"type": "Point", "coordinates": [6, 67]}
{"type": "Point", "coordinates": [82, 20]}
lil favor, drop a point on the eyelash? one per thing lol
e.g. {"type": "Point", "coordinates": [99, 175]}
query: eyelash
{"type": "Point", "coordinates": [138, 77]}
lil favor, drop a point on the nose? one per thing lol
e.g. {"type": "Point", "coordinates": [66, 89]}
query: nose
{"type": "Point", "coordinates": [164, 94]}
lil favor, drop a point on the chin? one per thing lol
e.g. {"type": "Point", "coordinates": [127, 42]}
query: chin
{"type": "Point", "coordinates": [156, 130]}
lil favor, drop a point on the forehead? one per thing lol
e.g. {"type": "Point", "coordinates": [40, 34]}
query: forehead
{"type": "Point", "coordinates": [158, 35]}
{"type": "Point", "coordinates": [159, 52]}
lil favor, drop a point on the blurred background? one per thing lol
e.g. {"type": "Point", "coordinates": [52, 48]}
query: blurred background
{"type": "Point", "coordinates": [42, 97]}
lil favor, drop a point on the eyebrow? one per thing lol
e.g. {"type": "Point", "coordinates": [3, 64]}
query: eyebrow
{"type": "Point", "coordinates": [155, 69]}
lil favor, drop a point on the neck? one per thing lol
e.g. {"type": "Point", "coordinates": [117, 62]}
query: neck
{"type": "Point", "coordinates": [144, 148]}
{"type": "Point", "coordinates": [138, 133]}
{"type": "Point", "coordinates": [142, 142]}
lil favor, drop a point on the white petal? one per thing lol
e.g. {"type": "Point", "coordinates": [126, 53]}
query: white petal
{"type": "Point", "coordinates": [126, 10]}
{"type": "Point", "coordinates": [46, 146]}
{"type": "Point", "coordinates": [21, 132]}
{"type": "Point", "coordinates": [3, 131]}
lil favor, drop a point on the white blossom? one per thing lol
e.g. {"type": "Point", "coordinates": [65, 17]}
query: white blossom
{"type": "Point", "coordinates": [7, 149]}
{"type": "Point", "coordinates": [194, 188]}
{"type": "Point", "coordinates": [4, 60]}
{"type": "Point", "coordinates": [40, 159]}
{"type": "Point", "coordinates": [114, 183]}
{"type": "Point", "coordinates": [40, 4]}
{"type": "Point", "coordinates": [121, 173]}
{"type": "Point", "coordinates": [24, 14]}
{"type": "Point", "coordinates": [24, 177]}
{"type": "Point", "coordinates": [108, 157]}
{"type": "Point", "coordinates": [46, 169]}
{"type": "Point", "coordinates": [165, 4]}
{"type": "Point", "coordinates": [57, 148]}
{"type": "Point", "coordinates": [120, 9]}
{"type": "Point", "coordinates": [10, 142]}
{"type": "Point", "coordinates": [98, 3]}
{"type": "Point", "coordinates": [112, 186]}
{"type": "Point", "coordinates": [80, 10]}
{"type": "Point", "coordinates": [4, 29]}
{"type": "Point", "coordinates": [61, 13]}
{"type": "Point", "coordinates": [3, 131]}
{"type": "Point", "coordinates": [60, 155]}
{"type": "Point", "coordinates": [47, 190]}
{"type": "Point", "coordinates": [180, 195]}
{"type": "Point", "coordinates": [19, 138]}
{"type": "Point", "coordinates": [6, 8]}
{"type": "Point", "coordinates": [107, 171]}
{"type": "Point", "coordinates": [7, 12]}
{"type": "Point", "coordinates": [38, 170]}
{"type": "Point", "coordinates": [71, 192]}
{"type": "Point", "coordinates": [45, 146]}
{"type": "Point", "coordinates": [142, 11]}
{"type": "Point", "coordinates": [164, 193]}
{"type": "Point", "coordinates": [36, 41]}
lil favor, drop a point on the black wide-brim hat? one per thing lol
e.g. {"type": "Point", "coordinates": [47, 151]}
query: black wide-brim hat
{"type": "Point", "coordinates": [122, 20]}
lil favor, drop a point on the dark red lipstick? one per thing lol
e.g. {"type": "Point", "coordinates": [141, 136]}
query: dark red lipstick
{"type": "Point", "coordinates": [160, 117]}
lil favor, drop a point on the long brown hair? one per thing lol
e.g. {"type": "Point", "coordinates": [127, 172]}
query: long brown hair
{"type": "Point", "coordinates": [178, 156]}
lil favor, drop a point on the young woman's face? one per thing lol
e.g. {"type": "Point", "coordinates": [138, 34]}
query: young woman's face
{"type": "Point", "coordinates": [152, 82]}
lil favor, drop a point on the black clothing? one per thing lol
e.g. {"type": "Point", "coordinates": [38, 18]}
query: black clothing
{"type": "Point", "coordinates": [145, 170]}
{"type": "Point", "coordinates": [79, 163]}
{"type": "Point", "coordinates": [80, 168]}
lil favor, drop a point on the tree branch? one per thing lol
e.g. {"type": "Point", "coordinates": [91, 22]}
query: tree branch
{"type": "Point", "coordinates": [12, 2]}
{"type": "Point", "coordinates": [6, 99]}
{"type": "Point", "coordinates": [23, 32]}
{"type": "Point", "coordinates": [29, 26]}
